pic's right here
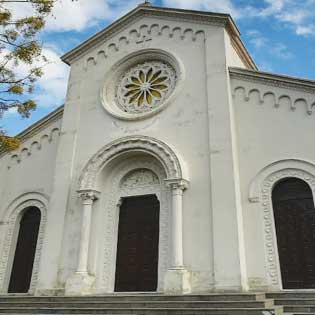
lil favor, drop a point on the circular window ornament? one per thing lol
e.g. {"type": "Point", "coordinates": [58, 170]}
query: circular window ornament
{"type": "Point", "coordinates": [141, 85]}
{"type": "Point", "coordinates": [145, 87]}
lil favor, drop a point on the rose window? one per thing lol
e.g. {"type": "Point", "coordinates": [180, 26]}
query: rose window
{"type": "Point", "coordinates": [145, 86]}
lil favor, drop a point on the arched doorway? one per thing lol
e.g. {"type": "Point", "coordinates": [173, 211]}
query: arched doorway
{"type": "Point", "coordinates": [138, 244]}
{"type": "Point", "coordinates": [294, 215]}
{"type": "Point", "coordinates": [22, 267]}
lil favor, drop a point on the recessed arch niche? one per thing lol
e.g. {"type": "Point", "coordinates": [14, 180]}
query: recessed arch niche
{"type": "Point", "coordinates": [133, 174]}
{"type": "Point", "coordinates": [294, 215]}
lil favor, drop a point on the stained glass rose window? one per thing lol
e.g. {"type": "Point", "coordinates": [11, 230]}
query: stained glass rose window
{"type": "Point", "coordinates": [145, 86]}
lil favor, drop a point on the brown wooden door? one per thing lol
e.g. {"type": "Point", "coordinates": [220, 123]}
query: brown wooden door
{"type": "Point", "coordinates": [138, 244]}
{"type": "Point", "coordinates": [295, 226]}
{"type": "Point", "coordinates": [22, 268]}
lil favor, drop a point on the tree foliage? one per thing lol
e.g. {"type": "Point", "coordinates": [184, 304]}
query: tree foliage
{"type": "Point", "coordinates": [19, 45]}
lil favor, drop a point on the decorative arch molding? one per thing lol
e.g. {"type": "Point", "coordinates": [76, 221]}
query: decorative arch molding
{"type": "Point", "coordinates": [29, 195]}
{"type": "Point", "coordinates": [156, 148]}
{"type": "Point", "coordinates": [29, 148]}
{"type": "Point", "coordinates": [10, 221]}
{"type": "Point", "coordinates": [282, 165]}
{"type": "Point", "coordinates": [173, 182]}
{"type": "Point", "coordinates": [261, 191]}
{"type": "Point", "coordinates": [144, 34]}
{"type": "Point", "coordinates": [112, 204]}
{"type": "Point", "coordinates": [279, 97]}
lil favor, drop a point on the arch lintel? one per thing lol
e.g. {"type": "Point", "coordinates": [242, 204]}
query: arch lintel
{"type": "Point", "coordinates": [156, 148]}
{"type": "Point", "coordinates": [282, 168]}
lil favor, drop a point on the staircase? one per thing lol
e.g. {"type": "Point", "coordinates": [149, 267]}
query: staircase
{"type": "Point", "coordinates": [143, 304]}
{"type": "Point", "coordinates": [295, 302]}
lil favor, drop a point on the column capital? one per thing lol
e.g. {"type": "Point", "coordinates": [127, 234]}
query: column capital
{"type": "Point", "coordinates": [177, 183]}
{"type": "Point", "coordinates": [88, 195]}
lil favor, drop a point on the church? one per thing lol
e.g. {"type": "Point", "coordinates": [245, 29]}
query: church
{"type": "Point", "coordinates": [175, 166]}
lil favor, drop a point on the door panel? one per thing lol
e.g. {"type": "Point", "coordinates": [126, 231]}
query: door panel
{"type": "Point", "coordinates": [295, 227]}
{"type": "Point", "coordinates": [22, 267]}
{"type": "Point", "coordinates": [138, 244]}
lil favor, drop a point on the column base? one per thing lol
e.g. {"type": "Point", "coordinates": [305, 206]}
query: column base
{"type": "Point", "coordinates": [177, 281]}
{"type": "Point", "coordinates": [80, 284]}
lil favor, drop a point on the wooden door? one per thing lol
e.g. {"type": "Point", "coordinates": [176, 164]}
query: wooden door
{"type": "Point", "coordinates": [294, 214]}
{"type": "Point", "coordinates": [22, 268]}
{"type": "Point", "coordinates": [138, 244]}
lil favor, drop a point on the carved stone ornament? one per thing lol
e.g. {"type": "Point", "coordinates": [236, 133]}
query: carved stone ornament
{"type": "Point", "coordinates": [10, 232]}
{"type": "Point", "coordinates": [140, 177]}
{"type": "Point", "coordinates": [142, 84]}
{"type": "Point", "coordinates": [120, 146]}
{"type": "Point", "coordinates": [88, 195]}
{"type": "Point", "coordinates": [177, 183]}
{"type": "Point", "coordinates": [271, 249]}
{"type": "Point", "coordinates": [260, 192]}
{"type": "Point", "coordinates": [133, 168]}
{"type": "Point", "coordinates": [145, 86]}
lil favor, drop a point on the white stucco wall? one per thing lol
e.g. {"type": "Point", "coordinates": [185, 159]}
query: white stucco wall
{"type": "Point", "coordinates": [183, 125]}
{"type": "Point", "coordinates": [26, 175]}
{"type": "Point", "coordinates": [31, 167]}
{"type": "Point", "coordinates": [225, 128]}
{"type": "Point", "coordinates": [272, 125]}
{"type": "Point", "coordinates": [186, 116]}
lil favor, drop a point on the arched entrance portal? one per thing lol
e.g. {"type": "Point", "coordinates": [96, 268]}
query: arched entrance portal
{"type": "Point", "coordinates": [138, 244]}
{"type": "Point", "coordinates": [22, 267]}
{"type": "Point", "coordinates": [295, 228]}
{"type": "Point", "coordinates": [100, 189]}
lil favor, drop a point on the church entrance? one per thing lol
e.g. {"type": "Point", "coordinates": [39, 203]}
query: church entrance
{"type": "Point", "coordinates": [138, 244]}
{"type": "Point", "coordinates": [295, 227]}
{"type": "Point", "coordinates": [22, 267]}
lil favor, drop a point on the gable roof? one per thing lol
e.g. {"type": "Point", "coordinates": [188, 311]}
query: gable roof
{"type": "Point", "coordinates": [147, 9]}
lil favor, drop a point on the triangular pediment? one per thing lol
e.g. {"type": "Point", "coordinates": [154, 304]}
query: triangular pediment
{"type": "Point", "coordinates": [147, 10]}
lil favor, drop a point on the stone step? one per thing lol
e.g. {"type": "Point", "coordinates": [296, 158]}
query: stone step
{"type": "Point", "coordinates": [145, 311]}
{"type": "Point", "coordinates": [138, 297]}
{"type": "Point", "coordinates": [299, 308]}
{"type": "Point", "coordinates": [291, 295]}
{"type": "Point", "coordinates": [143, 304]}
{"type": "Point", "coordinates": [295, 301]}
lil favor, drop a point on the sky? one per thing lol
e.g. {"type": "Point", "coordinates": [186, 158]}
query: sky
{"type": "Point", "coordinates": [279, 34]}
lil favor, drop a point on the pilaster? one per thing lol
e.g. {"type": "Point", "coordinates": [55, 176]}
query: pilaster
{"type": "Point", "coordinates": [228, 243]}
{"type": "Point", "coordinates": [81, 283]}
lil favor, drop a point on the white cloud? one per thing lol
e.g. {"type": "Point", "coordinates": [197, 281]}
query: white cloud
{"type": "Point", "coordinates": [281, 51]}
{"type": "Point", "coordinates": [299, 15]}
{"type": "Point", "coordinates": [305, 30]}
{"type": "Point", "coordinates": [272, 7]}
{"type": "Point", "coordinates": [265, 66]}
{"type": "Point", "coordinates": [51, 87]}
{"type": "Point", "coordinates": [223, 6]}
{"type": "Point", "coordinates": [71, 15]}
{"type": "Point", "coordinates": [53, 84]}
{"type": "Point", "coordinates": [76, 15]}
{"type": "Point", "coordinates": [68, 15]}
{"type": "Point", "coordinates": [257, 39]}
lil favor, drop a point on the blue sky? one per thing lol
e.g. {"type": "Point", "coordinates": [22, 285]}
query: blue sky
{"type": "Point", "coordinates": [279, 34]}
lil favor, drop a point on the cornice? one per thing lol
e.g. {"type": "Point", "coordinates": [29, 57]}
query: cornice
{"type": "Point", "coordinates": [224, 20]}
{"type": "Point", "coordinates": [273, 79]}
{"type": "Point", "coordinates": [242, 52]}
{"type": "Point", "coordinates": [41, 124]}
{"type": "Point", "coordinates": [38, 126]}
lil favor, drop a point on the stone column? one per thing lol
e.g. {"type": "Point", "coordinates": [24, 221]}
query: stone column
{"type": "Point", "coordinates": [177, 279]}
{"type": "Point", "coordinates": [81, 282]}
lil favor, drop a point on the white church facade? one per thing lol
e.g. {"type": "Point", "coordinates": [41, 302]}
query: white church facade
{"type": "Point", "coordinates": [175, 166]}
